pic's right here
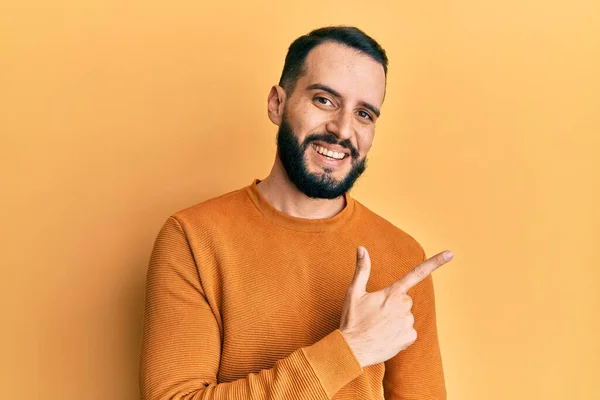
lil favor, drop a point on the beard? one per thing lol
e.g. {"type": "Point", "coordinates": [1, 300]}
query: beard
{"type": "Point", "coordinates": [315, 185]}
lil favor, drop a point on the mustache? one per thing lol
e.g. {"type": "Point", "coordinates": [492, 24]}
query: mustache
{"type": "Point", "coordinates": [331, 139]}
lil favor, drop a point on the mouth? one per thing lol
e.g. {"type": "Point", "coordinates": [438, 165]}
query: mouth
{"type": "Point", "coordinates": [329, 154]}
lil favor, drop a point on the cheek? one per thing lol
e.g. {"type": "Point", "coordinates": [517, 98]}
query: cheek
{"type": "Point", "coordinates": [365, 141]}
{"type": "Point", "coordinates": [313, 118]}
{"type": "Point", "coordinates": [306, 120]}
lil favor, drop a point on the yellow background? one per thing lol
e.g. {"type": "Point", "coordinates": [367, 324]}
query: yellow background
{"type": "Point", "coordinates": [114, 115]}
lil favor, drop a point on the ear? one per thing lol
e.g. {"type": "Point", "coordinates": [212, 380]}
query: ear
{"type": "Point", "coordinates": [276, 104]}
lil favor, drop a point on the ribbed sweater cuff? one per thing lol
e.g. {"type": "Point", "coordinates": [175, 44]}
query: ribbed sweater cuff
{"type": "Point", "coordinates": [333, 361]}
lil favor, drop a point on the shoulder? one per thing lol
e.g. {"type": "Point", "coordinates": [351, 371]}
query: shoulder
{"type": "Point", "coordinates": [391, 236]}
{"type": "Point", "coordinates": [215, 212]}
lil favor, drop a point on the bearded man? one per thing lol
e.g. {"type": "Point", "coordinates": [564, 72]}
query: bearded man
{"type": "Point", "coordinates": [269, 292]}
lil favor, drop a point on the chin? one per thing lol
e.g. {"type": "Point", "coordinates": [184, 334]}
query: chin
{"type": "Point", "coordinates": [337, 176]}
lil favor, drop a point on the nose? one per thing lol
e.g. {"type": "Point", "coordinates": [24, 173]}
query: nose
{"type": "Point", "coordinates": [341, 125]}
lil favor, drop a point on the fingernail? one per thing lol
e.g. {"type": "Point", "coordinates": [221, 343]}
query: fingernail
{"type": "Point", "coordinates": [448, 255]}
{"type": "Point", "coordinates": [361, 252]}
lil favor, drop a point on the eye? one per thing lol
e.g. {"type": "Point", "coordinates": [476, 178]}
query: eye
{"type": "Point", "coordinates": [365, 115]}
{"type": "Point", "coordinates": [323, 100]}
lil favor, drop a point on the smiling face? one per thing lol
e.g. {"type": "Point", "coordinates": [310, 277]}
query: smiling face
{"type": "Point", "coordinates": [327, 124]}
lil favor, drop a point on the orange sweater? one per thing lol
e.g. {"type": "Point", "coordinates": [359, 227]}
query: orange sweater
{"type": "Point", "coordinates": [244, 302]}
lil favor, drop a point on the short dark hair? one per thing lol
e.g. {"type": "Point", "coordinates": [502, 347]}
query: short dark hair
{"type": "Point", "coordinates": [347, 35]}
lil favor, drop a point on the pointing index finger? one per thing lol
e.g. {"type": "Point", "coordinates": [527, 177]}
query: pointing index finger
{"type": "Point", "coordinates": [421, 272]}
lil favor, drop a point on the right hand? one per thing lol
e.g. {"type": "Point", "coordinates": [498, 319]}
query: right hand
{"type": "Point", "coordinates": [379, 325]}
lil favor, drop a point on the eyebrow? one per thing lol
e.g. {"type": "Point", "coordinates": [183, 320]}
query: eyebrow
{"type": "Point", "coordinates": [318, 86]}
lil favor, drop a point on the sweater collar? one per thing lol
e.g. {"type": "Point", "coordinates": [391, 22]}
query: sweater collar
{"type": "Point", "coordinates": [300, 224]}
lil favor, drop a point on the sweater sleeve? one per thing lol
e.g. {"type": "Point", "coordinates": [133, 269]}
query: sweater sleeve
{"type": "Point", "coordinates": [417, 373]}
{"type": "Point", "coordinates": [181, 341]}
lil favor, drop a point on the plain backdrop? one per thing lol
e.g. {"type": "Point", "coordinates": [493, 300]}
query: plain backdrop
{"type": "Point", "coordinates": [114, 115]}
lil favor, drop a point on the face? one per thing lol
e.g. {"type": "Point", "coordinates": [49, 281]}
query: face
{"type": "Point", "coordinates": [327, 124]}
{"type": "Point", "coordinates": [292, 155]}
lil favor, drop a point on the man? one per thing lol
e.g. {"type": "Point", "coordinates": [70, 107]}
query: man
{"type": "Point", "coordinates": [268, 292]}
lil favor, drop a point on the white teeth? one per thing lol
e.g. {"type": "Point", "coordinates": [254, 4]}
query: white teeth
{"type": "Point", "coordinates": [329, 153]}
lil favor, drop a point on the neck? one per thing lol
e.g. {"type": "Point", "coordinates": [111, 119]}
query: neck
{"type": "Point", "coordinates": [282, 194]}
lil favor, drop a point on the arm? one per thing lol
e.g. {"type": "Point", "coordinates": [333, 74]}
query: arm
{"type": "Point", "coordinates": [181, 343]}
{"type": "Point", "coordinates": [416, 372]}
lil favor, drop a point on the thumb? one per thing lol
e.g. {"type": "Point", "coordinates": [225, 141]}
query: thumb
{"type": "Point", "coordinates": [363, 270]}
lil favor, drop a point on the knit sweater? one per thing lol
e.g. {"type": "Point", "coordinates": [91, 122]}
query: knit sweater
{"type": "Point", "coordinates": [244, 302]}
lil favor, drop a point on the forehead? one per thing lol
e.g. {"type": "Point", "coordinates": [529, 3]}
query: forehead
{"type": "Point", "coordinates": [355, 75]}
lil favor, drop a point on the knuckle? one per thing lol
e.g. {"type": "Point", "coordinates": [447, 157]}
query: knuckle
{"type": "Point", "coordinates": [413, 335]}
{"type": "Point", "coordinates": [421, 271]}
{"type": "Point", "coordinates": [411, 319]}
{"type": "Point", "coordinates": [408, 302]}
{"type": "Point", "coordinates": [362, 266]}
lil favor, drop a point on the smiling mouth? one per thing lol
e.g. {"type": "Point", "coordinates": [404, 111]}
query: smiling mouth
{"type": "Point", "coordinates": [333, 155]}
